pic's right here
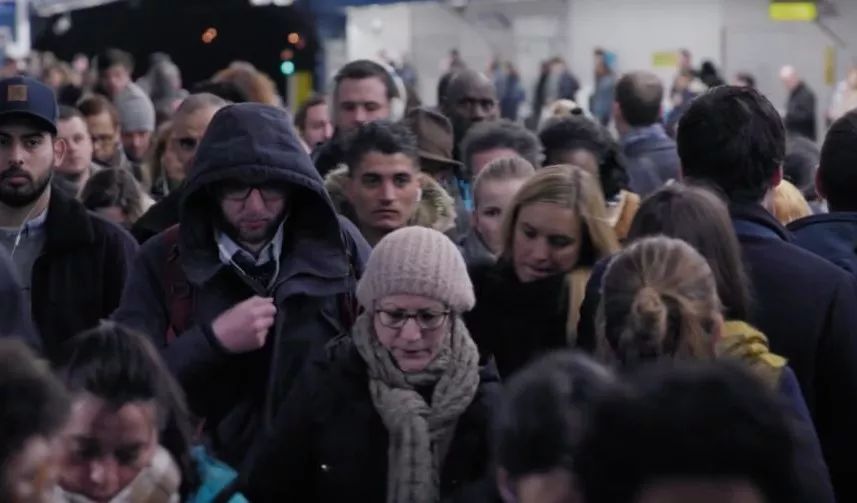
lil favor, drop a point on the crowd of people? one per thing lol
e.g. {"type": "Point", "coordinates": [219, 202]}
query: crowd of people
{"type": "Point", "coordinates": [207, 298]}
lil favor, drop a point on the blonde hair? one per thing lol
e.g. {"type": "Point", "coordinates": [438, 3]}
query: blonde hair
{"type": "Point", "coordinates": [568, 187]}
{"type": "Point", "coordinates": [659, 300]}
{"type": "Point", "coordinates": [788, 204]}
{"type": "Point", "coordinates": [501, 170]}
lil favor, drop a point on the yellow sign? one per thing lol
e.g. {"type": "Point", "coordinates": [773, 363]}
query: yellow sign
{"type": "Point", "coordinates": [793, 11]}
{"type": "Point", "coordinates": [830, 65]}
{"type": "Point", "coordinates": [665, 59]}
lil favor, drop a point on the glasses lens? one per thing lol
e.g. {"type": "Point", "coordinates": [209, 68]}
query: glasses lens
{"type": "Point", "coordinates": [187, 143]}
{"type": "Point", "coordinates": [430, 320]}
{"type": "Point", "coordinates": [235, 192]}
{"type": "Point", "coordinates": [393, 319]}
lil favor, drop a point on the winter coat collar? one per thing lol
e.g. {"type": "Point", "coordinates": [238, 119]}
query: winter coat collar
{"type": "Point", "coordinates": [756, 215]}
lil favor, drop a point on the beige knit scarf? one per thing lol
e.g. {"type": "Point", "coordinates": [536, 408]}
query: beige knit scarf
{"type": "Point", "coordinates": [419, 433]}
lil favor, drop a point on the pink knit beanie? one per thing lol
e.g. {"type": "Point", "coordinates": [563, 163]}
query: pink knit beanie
{"type": "Point", "coordinates": [417, 261]}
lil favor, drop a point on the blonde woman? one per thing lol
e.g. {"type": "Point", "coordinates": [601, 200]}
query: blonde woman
{"type": "Point", "coordinates": [787, 203]}
{"type": "Point", "coordinates": [529, 302]}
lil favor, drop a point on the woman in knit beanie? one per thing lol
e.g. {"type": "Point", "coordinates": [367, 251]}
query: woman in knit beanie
{"type": "Point", "coordinates": [398, 410]}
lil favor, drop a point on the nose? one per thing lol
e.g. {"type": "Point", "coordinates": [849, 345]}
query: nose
{"type": "Point", "coordinates": [16, 154]}
{"type": "Point", "coordinates": [360, 116]}
{"type": "Point", "coordinates": [540, 251]}
{"type": "Point", "coordinates": [388, 192]}
{"type": "Point", "coordinates": [411, 331]}
{"type": "Point", "coordinates": [254, 200]}
{"type": "Point", "coordinates": [102, 473]}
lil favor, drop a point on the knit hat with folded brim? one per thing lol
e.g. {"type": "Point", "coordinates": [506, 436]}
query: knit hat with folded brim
{"type": "Point", "coordinates": [417, 261]}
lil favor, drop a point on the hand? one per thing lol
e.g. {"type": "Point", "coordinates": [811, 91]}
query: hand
{"type": "Point", "coordinates": [244, 327]}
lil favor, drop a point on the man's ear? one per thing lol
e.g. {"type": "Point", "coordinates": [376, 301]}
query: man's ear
{"type": "Point", "coordinates": [819, 185]}
{"type": "Point", "coordinates": [504, 486]}
{"type": "Point", "coordinates": [60, 149]}
{"type": "Point", "coordinates": [777, 177]}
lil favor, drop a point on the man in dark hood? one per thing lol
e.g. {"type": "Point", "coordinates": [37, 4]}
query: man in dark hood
{"type": "Point", "coordinates": [266, 269]}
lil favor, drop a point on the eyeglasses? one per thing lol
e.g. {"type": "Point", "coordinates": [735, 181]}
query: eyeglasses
{"type": "Point", "coordinates": [426, 319]}
{"type": "Point", "coordinates": [238, 194]}
{"type": "Point", "coordinates": [187, 144]}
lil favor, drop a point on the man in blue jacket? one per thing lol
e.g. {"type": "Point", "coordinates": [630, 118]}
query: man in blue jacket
{"type": "Point", "coordinates": [834, 235]}
{"type": "Point", "coordinates": [258, 274]}
{"type": "Point", "coordinates": [733, 139]}
{"type": "Point", "coordinates": [652, 157]}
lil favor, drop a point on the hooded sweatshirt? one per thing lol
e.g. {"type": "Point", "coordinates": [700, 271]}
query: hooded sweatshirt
{"type": "Point", "coordinates": [322, 255]}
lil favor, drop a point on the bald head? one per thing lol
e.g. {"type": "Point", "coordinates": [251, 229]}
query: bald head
{"type": "Point", "coordinates": [189, 124]}
{"type": "Point", "coordinates": [790, 77]}
{"type": "Point", "coordinates": [470, 98]}
{"type": "Point", "coordinates": [638, 99]}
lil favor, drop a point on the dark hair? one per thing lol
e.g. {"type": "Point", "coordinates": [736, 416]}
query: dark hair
{"type": "Point", "coordinates": [120, 366]}
{"type": "Point", "coordinates": [380, 136]}
{"type": "Point", "coordinates": [639, 95]}
{"type": "Point", "coordinates": [365, 69]}
{"type": "Point", "coordinates": [698, 217]}
{"type": "Point", "coordinates": [501, 134]}
{"type": "Point", "coordinates": [746, 77]}
{"type": "Point", "coordinates": [32, 402]}
{"type": "Point", "coordinates": [443, 86]}
{"type": "Point", "coordinates": [562, 134]}
{"type": "Point", "coordinates": [67, 113]}
{"type": "Point", "coordinates": [114, 187]}
{"type": "Point", "coordinates": [800, 163]}
{"type": "Point", "coordinates": [543, 414]}
{"type": "Point", "coordinates": [97, 105]}
{"type": "Point", "coordinates": [734, 138]}
{"type": "Point", "coordinates": [113, 57]}
{"type": "Point", "coordinates": [837, 171]}
{"type": "Point", "coordinates": [709, 421]}
{"type": "Point", "coordinates": [222, 89]}
{"type": "Point", "coordinates": [303, 110]}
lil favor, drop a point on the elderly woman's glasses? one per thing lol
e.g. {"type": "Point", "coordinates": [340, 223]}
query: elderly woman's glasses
{"type": "Point", "coordinates": [427, 319]}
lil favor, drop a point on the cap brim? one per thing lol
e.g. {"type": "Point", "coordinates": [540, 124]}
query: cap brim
{"type": "Point", "coordinates": [44, 121]}
{"type": "Point", "coordinates": [440, 159]}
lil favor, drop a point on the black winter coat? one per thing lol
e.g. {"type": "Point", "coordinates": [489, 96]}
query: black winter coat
{"type": "Point", "coordinates": [516, 322]}
{"type": "Point", "coordinates": [322, 255]}
{"type": "Point", "coordinates": [330, 444]}
{"type": "Point", "coordinates": [800, 112]}
{"type": "Point", "coordinates": [78, 279]}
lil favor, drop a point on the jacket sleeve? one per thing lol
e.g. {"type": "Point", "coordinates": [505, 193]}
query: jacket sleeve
{"type": "Point", "coordinates": [121, 249]}
{"type": "Point", "coordinates": [813, 476]}
{"type": "Point", "coordinates": [836, 389]}
{"type": "Point", "coordinates": [195, 355]}
{"type": "Point", "coordinates": [281, 466]}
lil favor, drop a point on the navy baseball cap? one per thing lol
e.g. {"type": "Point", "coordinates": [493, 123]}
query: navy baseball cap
{"type": "Point", "coordinates": [29, 97]}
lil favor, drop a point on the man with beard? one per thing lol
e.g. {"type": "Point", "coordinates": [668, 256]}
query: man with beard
{"type": "Point", "coordinates": [258, 274]}
{"type": "Point", "coordinates": [72, 264]}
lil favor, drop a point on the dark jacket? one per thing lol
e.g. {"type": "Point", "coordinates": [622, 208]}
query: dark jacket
{"type": "Point", "coordinates": [652, 162]}
{"type": "Point", "coordinates": [474, 251]}
{"type": "Point", "coordinates": [808, 309]}
{"type": "Point", "coordinates": [78, 278]}
{"type": "Point", "coordinates": [800, 112]}
{"type": "Point", "coordinates": [238, 394]}
{"type": "Point", "coordinates": [331, 446]}
{"type": "Point", "coordinates": [15, 321]}
{"type": "Point", "coordinates": [831, 236]}
{"type": "Point", "coordinates": [516, 322]}
{"type": "Point", "coordinates": [160, 217]}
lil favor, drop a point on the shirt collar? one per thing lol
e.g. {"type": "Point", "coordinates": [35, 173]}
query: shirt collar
{"type": "Point", "coordinates": [271, 251]}
{"type": "Point", "coordinates": [31, 226]}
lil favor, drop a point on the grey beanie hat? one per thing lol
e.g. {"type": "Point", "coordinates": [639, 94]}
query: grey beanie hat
{"type": "Point", "coordinates": [136, 111]}
{"type": "Point", "coordinates": [417, 261]}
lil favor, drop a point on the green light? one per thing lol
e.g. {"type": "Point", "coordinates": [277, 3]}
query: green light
{"type": "Point", "coordinates": [287, 67]}
{"type": "Point", "coordinates": [793, 11]}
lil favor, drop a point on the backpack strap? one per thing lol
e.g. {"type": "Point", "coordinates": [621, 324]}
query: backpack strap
{"type": "Point", "coordinates": [177, 290]}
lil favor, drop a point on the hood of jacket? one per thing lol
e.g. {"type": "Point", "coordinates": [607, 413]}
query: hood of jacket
{"type": "Point", "coordinates": [257, 144]}
{"type": "Point", "coordinates": [832, 236]}
{"type": "Point", "coordinates": [435, 211]}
